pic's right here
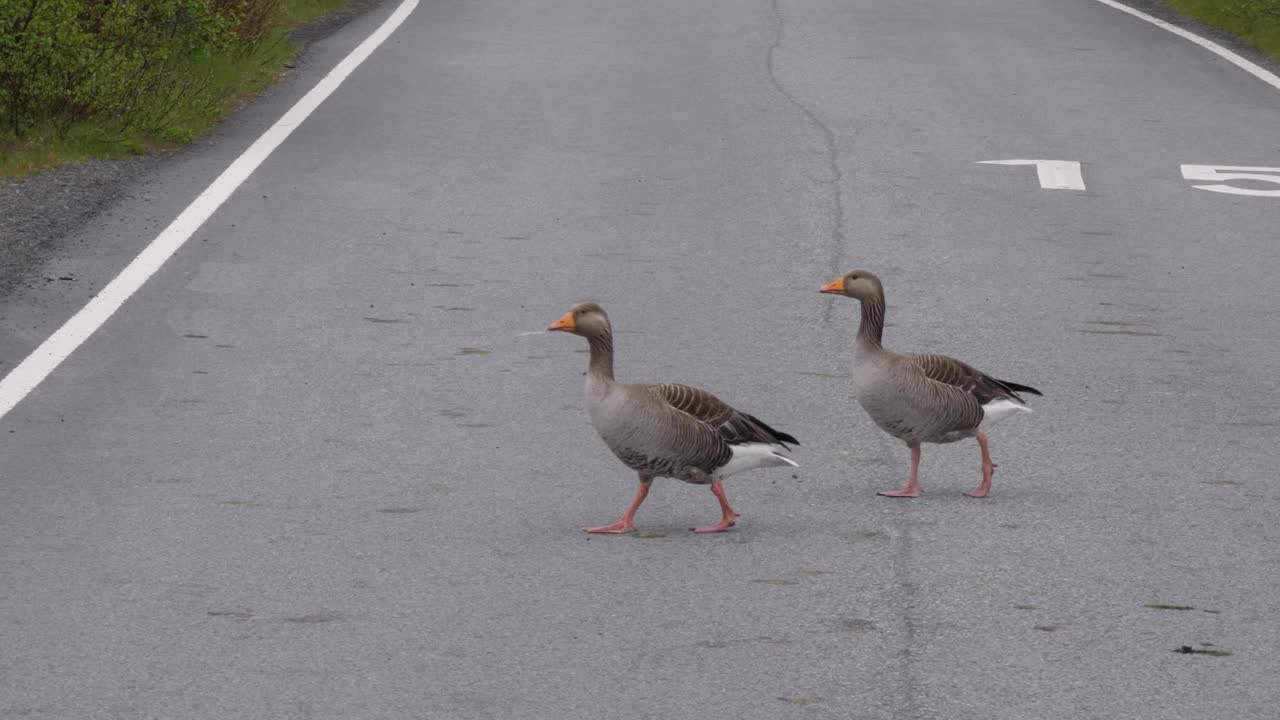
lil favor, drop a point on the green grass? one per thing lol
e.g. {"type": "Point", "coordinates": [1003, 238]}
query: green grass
{"type": "Point", "coordinates": [1257, 22]}
{"type": "Point", "coordinates": [228, 80]}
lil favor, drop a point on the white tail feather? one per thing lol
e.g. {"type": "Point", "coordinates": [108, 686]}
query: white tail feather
{"type": "Point", "coordinates": [997, 410]}
{"type": "Point", "coordinates": [754, 455]}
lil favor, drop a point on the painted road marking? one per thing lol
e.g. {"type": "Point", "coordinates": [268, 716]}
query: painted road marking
{"type": "Point", "coordinates": [1233, 172]}
{"type": "Point", "coordinates": [36, 367]}
{"type": "Point", "coordinates": [1253, 69]}
{"type": "Point", "coordinates": [1053, 174]}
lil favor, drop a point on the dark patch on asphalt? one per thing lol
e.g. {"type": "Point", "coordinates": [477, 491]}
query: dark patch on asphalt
{"type": "Point", "coordinates": [474, 351]}
{"type": "Point", "coordinates": [314, 619]}
{"type": "Point", "coordinates": [233, 614]}
{"type": "Point", "coordinates": [721, 644]}
{"type": "Point", "coordinates": [1188, 650]}
{"type": "Point", "coordinates": [1133, 333]}
{"type": "Point", "coordinates": [1050, 628]}
{"type": "Point", "coordinates": [1117, 323]}
{"type": "Point", "coordinates": [1162, 606]}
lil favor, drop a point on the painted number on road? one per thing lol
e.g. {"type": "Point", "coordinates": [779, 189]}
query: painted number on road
{"type": "Point", "coordinates": [1053, 174]}
{"type": "Point", "coordinates": [1220, 173]}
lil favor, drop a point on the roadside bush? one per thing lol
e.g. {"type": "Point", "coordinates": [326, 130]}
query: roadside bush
{"type": "Point", "coordinates": [127, 64]}
{"type": "Point", "coordinates": [253, 20]}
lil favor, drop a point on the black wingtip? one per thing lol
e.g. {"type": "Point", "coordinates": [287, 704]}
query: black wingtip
{"type": "Point", "coordinates": [1015, 387]}
{"type": "Point", "coordinates": [778, 436]}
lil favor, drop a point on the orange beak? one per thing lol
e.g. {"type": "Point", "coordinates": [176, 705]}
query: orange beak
{"type": "Point", "coordinates": [565, 323]}
{"type": "Point", "coordinates": [835, 287]}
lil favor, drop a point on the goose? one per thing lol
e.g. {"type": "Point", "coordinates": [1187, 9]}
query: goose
{"type": "Point", "coordinates": [922, 398]}
{"type": "Point", "coordinates": [668, 430]}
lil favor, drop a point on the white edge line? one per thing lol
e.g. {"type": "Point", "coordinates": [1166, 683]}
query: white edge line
{"type": "Point", "coordinates": [58, 347]}
{"type": "Point", "coordinates": [1252, 68]}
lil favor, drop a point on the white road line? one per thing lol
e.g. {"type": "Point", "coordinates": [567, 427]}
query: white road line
{"type": "Point", "coordinates": [45, 359]}
{"type": "Point", "coordinates": [1252, 68]}
{"type": "Point", "coordinates": [1053, 174]}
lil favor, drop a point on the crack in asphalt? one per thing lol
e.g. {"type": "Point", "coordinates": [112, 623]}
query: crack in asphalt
{"type": "Point", "coordinates": [833, 152]}
{"type": "Point", "coordinates": [908, 709]}
{"type": "Point", "coordinates": [909, 590]}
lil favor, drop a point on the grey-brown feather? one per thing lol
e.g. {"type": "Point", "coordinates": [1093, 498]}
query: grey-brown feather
{"type": "Point", "coordinates": [913, 407]}
{"type": "Point", "coordinates": [955, 373]}
{"type": "Point", "coordinates": [735, 426]}
{"type": "Point", "coordinates": [649, 435]}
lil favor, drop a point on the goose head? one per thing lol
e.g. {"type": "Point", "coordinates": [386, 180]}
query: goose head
{"type": "Point", "coordinates": [857, 284]}
{"type": "Point", "coordinates": [585, 319]}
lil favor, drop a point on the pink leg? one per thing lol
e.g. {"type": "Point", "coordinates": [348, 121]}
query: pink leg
{"type": "Point", "coordinates": [625, 525]}
{"type": "Point", "coordinates": [913, 482]}
{"type": "Point", "coordinates": [728, 516]}
{"type": "Point", "coordinates": [988, 469]}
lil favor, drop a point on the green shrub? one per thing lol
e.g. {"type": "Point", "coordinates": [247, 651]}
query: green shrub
{"type": "Point", "coordinates": [65, 61]}
{"type": "Point", "coordinates": [84, 79]}
{"type": "Point", "coordinates": [253, 20]}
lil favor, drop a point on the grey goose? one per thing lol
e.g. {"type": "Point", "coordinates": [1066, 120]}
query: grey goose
{"type": "Point", "coordinates": [922, 398]}
{"type": "Point", "coordinates": [668, 430]}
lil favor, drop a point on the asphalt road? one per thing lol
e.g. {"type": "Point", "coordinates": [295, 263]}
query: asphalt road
{"type": "Point", "coordinates": [318, 467]}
